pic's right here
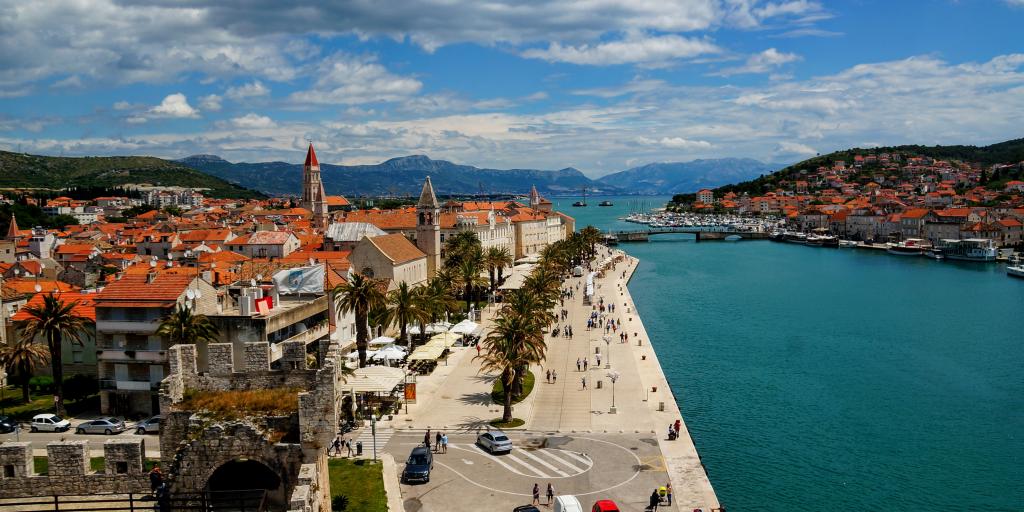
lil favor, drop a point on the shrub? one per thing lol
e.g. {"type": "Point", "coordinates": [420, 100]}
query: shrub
{"type": "Point", "coordinates": [80, 386]}
{"type": "Point", "coordinates": [41, 384]}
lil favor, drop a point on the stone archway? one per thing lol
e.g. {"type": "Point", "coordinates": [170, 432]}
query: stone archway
{"type": "Point", "coordinates": [231, 479]}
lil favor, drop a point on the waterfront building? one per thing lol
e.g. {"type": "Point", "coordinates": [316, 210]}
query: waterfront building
{"type": "Point", "coordinates": [706, 196]}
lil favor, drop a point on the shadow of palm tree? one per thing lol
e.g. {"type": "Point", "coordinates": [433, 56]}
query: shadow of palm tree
{"type": "Point", "coordinates": [472, 425]}
{"type": "Point", "coordinates": [478, 398]}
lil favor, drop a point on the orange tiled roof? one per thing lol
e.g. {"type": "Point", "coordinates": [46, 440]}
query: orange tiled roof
{"type": "Point", "coordinates": [27, 285]}
{"type": "Point", "coordinates": [134, 290]}
{"type": "Point", "coordinates": [397, 248]}
{"type": "Point", "coordinates": [85, 307]}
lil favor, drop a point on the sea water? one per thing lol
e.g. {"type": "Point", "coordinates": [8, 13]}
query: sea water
{"type": "Point", "coordinates": [827, 379]}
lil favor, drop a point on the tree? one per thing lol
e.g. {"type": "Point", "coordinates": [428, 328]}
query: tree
{"type": "Point", "coordinates": [497, 258]}
{"type": "Point", "coordinates": [514, 343]}
{"type": "Point", "coordinates": [405, 307]}
{"type": "Point", "coordinates": [182, 326]}
{"type": "Point", "coordinates": [359, 295]}
{"type": "Point", "coordinates": [469, 268]}
{"type": "Point", "coordinates": [459, 246]}
{"type": "Point", "coordinates": [23, 356]}
{"type": "Point", "coordinates": [54, 321]}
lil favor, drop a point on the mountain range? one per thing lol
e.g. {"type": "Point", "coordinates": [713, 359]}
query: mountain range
{"type": "Point", "coordinates": [405, 175]}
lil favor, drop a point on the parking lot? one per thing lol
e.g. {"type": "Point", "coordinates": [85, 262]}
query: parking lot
{"type": "Point", "coordinates": [590, 466]}
{"type": "Point", "coordinates": [39, 439]}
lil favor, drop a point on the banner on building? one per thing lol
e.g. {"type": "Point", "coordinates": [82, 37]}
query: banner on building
{"type": "Point", "coordinates": [300, 280]}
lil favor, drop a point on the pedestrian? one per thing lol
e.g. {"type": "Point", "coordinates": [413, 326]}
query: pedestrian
{"type": "Point", "coordinates": [155, 478]}
{"type": "Point", "coordinates": [426, 439]}
{"type": "Point", "coordinates": [551, 493]}
{"type": "Point", "coordinates": [444, 443]}
{"type": "Point", "coordinates": [163, 497]}
{"type": "Point", "coordinates": [668, 489]}
{"type": "Point", "coordinates": [437, 442]}
{"type": "Point", "coordinates": [554, 377]}
{"type": "Point", "coordinates": [536, 494]}
{"type": "Point", "coordinates": [336, 446]}
{"type": "Point", "coordinates": [548, 378]}
{"type": "Point", "coordinates": [653, 502]}
{"type": "Point", "coordinates": [586, 361]}
{"type": "Point", "coordinates": [584, 380]}
{"type": "Point", "coordinates": [579, 365]}
{"type": "Point", "coordinates": [478, 350]}
{"type": "Point", "coordinates": [598, 357]}
{"type": "Point", "coordinates": [349, 445]}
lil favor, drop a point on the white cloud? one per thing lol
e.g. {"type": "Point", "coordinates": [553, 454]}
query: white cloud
{"type": "Point", "coordinates": [763, 62]}
{"type": "Point", "coordinates": [344, 79]}
{"type": "Point", "coordinates": [794, 149]}
{"type": "Point", "coordinates": [211, 102]}
{"type": "Point", "coordinates": [250, 90]}
{"type": "Point", "coordinates": [1016, 3]}
{"type": "Point", "coordinates": [537, 96]}
{"type": "Point", "coordinates": [632, 50]}
{"type": "Point", "coordinates": [174, 106]}
{"type": "Point", "coordinates": [123, 105]}
{"type": "Point", "coordinates": [675, 143]}
{"type": "Point", "coordinates": [253, 121]}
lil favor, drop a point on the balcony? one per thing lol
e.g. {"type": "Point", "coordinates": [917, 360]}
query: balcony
{"type": "Point", "coordinates": [117, 355]}
{"type": "Point", "coordinates": [125, 326]}
{"type": "Point", "coordinates": [308, 336]}
{"type": "Point", "coordinates": [127, 385]}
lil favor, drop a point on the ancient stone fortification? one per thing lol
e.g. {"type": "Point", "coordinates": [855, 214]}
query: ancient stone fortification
{"type": "Point", "coordinates": [69, 472]}
{"type": "Point", "coordinates": [193, 445]}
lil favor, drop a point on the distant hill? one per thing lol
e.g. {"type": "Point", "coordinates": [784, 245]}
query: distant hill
{"type": "Point", "coordinates": [686, 177]}
{"type": "Point", "coordinates": [399, 176]}
{"type": "Point", "coordinates": [34, 171]}
{"type": "Point", "coordinates": [1009, 152]}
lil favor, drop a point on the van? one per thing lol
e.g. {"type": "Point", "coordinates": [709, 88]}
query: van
{"type": "Point", "coordinates": [567, 503]}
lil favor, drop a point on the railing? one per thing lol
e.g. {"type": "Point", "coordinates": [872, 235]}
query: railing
{"type": "Point", "coordinates": [211, 501]}
{"type": "Point", "coordinates": [126, 385]}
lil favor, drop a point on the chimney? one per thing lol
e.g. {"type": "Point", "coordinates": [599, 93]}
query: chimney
{"type": "Point", "coordinates": [150, 277]}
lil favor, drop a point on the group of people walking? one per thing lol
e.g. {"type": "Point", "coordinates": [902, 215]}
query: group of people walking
{"type": "Point", "coordinates": [440, 441]}
{"type": "Point", "coordinates": [339, 444]}
{"type": "Point", "coordinates": [550, 494]}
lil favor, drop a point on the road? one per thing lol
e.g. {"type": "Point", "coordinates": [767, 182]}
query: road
{"type": "Point", "coordinates": [623, 468]}
{"type": "Point", "coordinates": [39, 439]}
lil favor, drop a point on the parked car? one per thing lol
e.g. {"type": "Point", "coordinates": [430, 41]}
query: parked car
{"type": "Point", "coordinates": [605, 506]}
{"type": "Point", "coordinates": [49, 423]}
{"type": "Point", "coordinates": [567, 503]}
{"type": "Point", "coordinates": [106, 426]}
{"type": "Point", "coordinates": [494, 441]}
{"type": "Point", "coordinates": [7, 425]}
{"type": "Point", "coordinates": [526, 508]}
{"type": "Point", "coordinates": [148, 426]}
{"type": "Point", "coordinates": [418, 465]}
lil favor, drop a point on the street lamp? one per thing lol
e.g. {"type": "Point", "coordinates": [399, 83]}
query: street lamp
{"type": "Point", "coordinates": [608, 347]}
{"type": "Point", "coordinates": [613, 376]}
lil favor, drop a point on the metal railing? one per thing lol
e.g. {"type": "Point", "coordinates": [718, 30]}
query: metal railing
{"type": "Point", "coordinates": [212, 501]}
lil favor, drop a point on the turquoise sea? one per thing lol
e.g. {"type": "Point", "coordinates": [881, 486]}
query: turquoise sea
{"type": "Point", "coordinates": [837, 379]}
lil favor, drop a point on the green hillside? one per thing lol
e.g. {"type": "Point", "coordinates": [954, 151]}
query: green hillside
{"type": "Point", "coordinates": [33, 171]}
{"type": "Point", "coordinates": [1009, 152]}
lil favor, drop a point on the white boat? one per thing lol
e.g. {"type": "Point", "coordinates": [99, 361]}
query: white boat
{"type": "Point", "coordinates": [1015, 271]}
{"type": "Point", "coordinates": [935, 254]}
{"type": "Point", "coordinates": [908, 247]}
{"type": "Point", "coordinates": [847, 243]}
{"type": "Point", "coordinates": [969, 249]}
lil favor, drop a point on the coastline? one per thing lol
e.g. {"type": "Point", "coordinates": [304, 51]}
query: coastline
{"type": "Point", "coordinates": [690, 481]}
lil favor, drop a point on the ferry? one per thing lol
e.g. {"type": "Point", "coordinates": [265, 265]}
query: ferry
{"type": "Point", "coordinates": [605, 203]}
{"type": "Point", "coordinates": [969, 249]}
{"type": "Point", "coordinates": [908, 247]}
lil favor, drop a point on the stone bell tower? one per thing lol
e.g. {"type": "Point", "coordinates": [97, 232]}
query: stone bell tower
{"type": "Point", "coordinates": [313, 197]}
{"type": "Point", "coordinates": [428, 228]}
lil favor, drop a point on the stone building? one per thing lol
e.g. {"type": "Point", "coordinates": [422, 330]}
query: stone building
{"type": "Point", "coordinates": [390, 257]}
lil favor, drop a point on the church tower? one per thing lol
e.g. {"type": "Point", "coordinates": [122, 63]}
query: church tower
{"type": "Point", "coordinates": [428, 228]}
{"type": "Point", "coordinates": [534, 198]}
{"type": "Point", "coordinates": [313, 197]}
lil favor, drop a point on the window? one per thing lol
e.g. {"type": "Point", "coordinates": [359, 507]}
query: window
{"type": "Point", "coordinates": [9, 471]}
{"type": "Point", "coordinates": [76, 356]}
{"type": "Point", "coordinates": [121, 467]}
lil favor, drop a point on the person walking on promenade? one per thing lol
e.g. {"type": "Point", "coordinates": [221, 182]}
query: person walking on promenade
{"type": "Point", "coordinates": [551, 493]}
{"type": "Point", "coordinates": [653, 502]}
{"type": "Point", "coordinates": [668, 488]}
{"type": "Point", "coordinates": [348, 444]}
{"type": "Point", "coordinates": [478, 350]}
{"type": "Point", "coordinates": [155, 479]}
{"type": "Point", "coordinates": [554, 377]}
{"type": "Point", "coordinates": [444, 443]}
{"type": "Point", "coordinates": [579, 365]}
{"type": "Point", "coordinates": [437, 442]}
{"type": "Point", "coordinates": [548, 377]}
{"type": "Point", "coordinates": [336, 446]}
{"type": "Point", "coordinates": [426, 439]}
{"type": "Point", "coordinates": [536, 494]}
{"type": "Point", "coordinates": [584, 381]}
{"type": "Point", "coordinates": [586, 361]}
{"type": "Point", "coordinates": [598, 358]}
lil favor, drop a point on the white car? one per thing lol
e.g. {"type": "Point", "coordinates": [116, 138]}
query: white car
{"type": "Point", "coordinates": [49, 423]}
{"type": "Point", "coordinates": [494, 441]}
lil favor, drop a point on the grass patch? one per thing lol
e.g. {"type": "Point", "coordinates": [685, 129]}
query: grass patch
{"type": "Point", "coordinates": [498, 391]}
{"type": "Point", "coordinates": [226, 405]}
{"type": "Point", "coordinates": [41, 465]}
{"type": "Point", "coordinates": [357, 485]}
{"type": "Point", "coordinates": [43, 403]}
{"type": "Point", "coordinates": [516, 422]}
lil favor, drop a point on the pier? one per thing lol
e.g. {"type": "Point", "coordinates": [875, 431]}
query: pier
{"type": "Point", "coordinates": [643, 235]}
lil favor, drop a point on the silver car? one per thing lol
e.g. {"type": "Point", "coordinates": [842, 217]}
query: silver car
{"type": "Point", "coordinates": [106, 426]}
{"type": "Point", "coordinates": [148, 426]}
{"type": "Point", "coordinates": [494, 441]}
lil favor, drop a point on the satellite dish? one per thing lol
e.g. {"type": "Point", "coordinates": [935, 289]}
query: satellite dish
{"type": "Point", "coordinates": [39, 288]}
{"type": "Point", "coordinates": [259, 277]}
{"type": "Point", "coordinates": [199, 294]}
{"type": "Point", "coordinates": [152, 263]}
{"type": "Point", "coordinates": [311, 262]}
{"type": "Point", "coordinates": [252, 282]}
{"type": "Point", "coordinates": [189, 294]}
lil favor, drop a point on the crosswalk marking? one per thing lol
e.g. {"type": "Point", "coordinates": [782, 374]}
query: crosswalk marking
{"type": "Point", "coordinates": [553, 456]}
{"type": "Point", "coordinates": [525, 465]}
{"type": "Point", "coordinates": [583, 459]}
{"type": "Point", "coordinates": [366, 437]}
{"type": "Point", "coordinates": [476, 449]}
{"type": "Point", "coordinates": [543, 462]}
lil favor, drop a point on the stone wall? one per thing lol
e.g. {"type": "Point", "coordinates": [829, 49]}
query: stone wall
{"type": "Point", "coordinates": [69, 472]}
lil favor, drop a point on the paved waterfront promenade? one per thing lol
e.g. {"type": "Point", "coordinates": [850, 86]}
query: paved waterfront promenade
{"type": "Point", "coordinates": [457, 397]}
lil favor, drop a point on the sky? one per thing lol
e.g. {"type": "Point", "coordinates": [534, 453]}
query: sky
{"type": "Point", "coordinates": [598, 85]}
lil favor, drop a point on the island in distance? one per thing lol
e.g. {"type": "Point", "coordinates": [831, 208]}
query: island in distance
{"type": "Point", "coordinates": [402, 176]}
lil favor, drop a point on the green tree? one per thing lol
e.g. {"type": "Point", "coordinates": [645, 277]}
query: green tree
{"type": "Point", "coordinates": [54, 321]}
{"type": "Point", "coordinates": [460, 246]}
{"type": "Point", "coordinates": [496, 259]}
{"type": "Point", "coordinates": [514, 343]}
{"type": "Point", "coordinates": [23, 356]}
{"type": "Point", "coordinates": [182, 326]}
{"type": "Point", "coordinates": [405, 307]}
{"type": "Point", "coordinates": [470, 266]}
{"type": "Point", "coordinates": [359, 295]}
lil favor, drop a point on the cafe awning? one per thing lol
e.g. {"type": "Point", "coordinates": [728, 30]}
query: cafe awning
{"type": "Point", "coordinates": [426, 353]}
{"type": "Point", "coordinates": [445, 339]}
{"type": "Point", "coordinates": [375, 379]}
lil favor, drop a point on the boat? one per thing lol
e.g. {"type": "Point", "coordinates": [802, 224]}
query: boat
{"type": "Point", "coordinates": [795, 238]}
{"type": "Point", "coordinates": [1015, 271]}
{"type": "Point", "coordinates": [969, 249]}
{"type": "Point", "coordinates": [829, 241]}
{"type": "Point", "coordinates": [815, 240]}
{"type": "Point", "coordinates": [605, 203]}
{"type": "Point", "coordinates": [934, 253]}
{"type": "Point", "coordinates": [847, 243]}
{"type": "Point", "coordinates": [908, 247]}
{"type": "Point", "coordinates": [584, 201]}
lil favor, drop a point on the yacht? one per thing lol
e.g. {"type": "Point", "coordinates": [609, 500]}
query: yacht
{"type": "Point", "coordinates": [908, 247]}
{"type": "Point", "coordinates": [605, 203]}
{"type": "Point", "coordinates": [969, 249]}
{"type": "Point", "coordinates": [584, 201]}
{"type": "Point", "coordinates": [934, 253]}
{"type": "Point", "coordinates": [847, 243]}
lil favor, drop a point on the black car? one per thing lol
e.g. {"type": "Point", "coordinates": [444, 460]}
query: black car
{"type": "Point", "coordinates": [526, 508]}
{"type": "Point", "coordinates": [418, 466]}
{"type": "Point", "coordinates": [7, 425]}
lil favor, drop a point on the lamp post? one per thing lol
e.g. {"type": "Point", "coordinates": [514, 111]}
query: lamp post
{"type": "Point", "coordinates": [613, 376]}
{"type": "Point", "coordinates": [608, 348]}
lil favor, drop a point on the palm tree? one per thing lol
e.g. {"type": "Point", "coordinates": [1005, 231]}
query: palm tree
{"type": "Point", "coordinates": [24, 356]}
{"type": "Point", "coordinates": [182, 326]}
{"type": "Point", "coordinates": [513, 344]}
{"type": "Point", "coordinates": [469, 270]}
{"type": "Point", "coordinates": [54, 321]}
{"type": "Point", "coordinates": [459, 246]}
{"type": "Point", "coordinates": [359, 295]}
{"type": "Point", "coordinates": [496, 258]}
{"type": "Point", "coordinates": [405, 307]}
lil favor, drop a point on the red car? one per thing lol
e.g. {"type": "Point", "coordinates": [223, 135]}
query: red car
{"type": "Point", "coordinates": [605, 506]}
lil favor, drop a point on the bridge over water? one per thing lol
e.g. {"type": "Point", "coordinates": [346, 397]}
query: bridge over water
{"type": "Point", "coordinates": [643, 235]}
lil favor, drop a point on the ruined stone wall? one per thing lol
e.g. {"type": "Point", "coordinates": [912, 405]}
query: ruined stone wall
{"type": "Point", "coordinates": [69, 472]}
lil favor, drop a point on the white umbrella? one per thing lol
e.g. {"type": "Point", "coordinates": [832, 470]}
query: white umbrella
{"type": "Point", "coordinates": [464, 327]}
{"type": "Point", "coordinates": [431, 328]}
{"type": "Point", "coordinates": [382, 340]}
{"type": "Point", "coordinates": [389, 353]}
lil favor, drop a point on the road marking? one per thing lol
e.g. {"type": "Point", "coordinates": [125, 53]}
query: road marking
{"type": "Point", "coordinates": [366, 437]}
{"type": "Point", "coordinates": [544, 462]}
{"type": "Point", "coordinates": [583, 459]}
{"type": "Point", "coordinates": [467, 462]}
{"type": "Point", "coordinates": [550, 453]}
{"type": "Point", "coordinates": [527, 466]}
{"type": "Point", "coordinates": [495, 459]}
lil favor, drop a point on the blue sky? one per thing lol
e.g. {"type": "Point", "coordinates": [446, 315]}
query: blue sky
{"type": "Point", "coordinates": [598, 85]}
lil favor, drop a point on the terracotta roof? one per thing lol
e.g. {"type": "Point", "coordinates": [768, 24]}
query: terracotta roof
{"type": "Point", "coordinates": [266, 238]}
{"type": "Point", "coordinates": [397, 248]}
{"type": "Point", "coordinates": [136, 290]}
{"type": "Point", "coordinates": [85, 307]}
{"type": "Point", "coordinates": [311, 160]}
{"type": "Point", "coordinates": [27, 285]}
{"type": "Point", "coordinates": [336, 201]}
